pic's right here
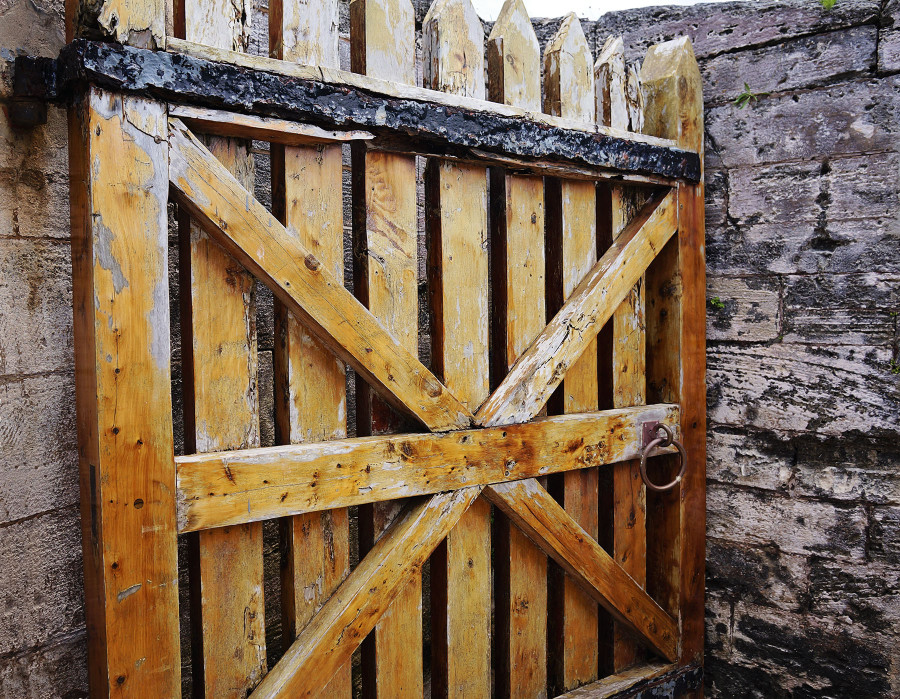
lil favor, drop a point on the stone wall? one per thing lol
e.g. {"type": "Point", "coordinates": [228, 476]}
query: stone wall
{"type": "Point", "coordinates": [803, 242]}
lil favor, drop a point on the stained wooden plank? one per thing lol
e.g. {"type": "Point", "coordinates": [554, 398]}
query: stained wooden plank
{"type": "Point", "coordinates": [231, 487]}
{"type": "Point", "coordinates": [571, 252]}
{"type": "Point", "coordinates": [630, 679]}
{"type": "Point", "coordinates": [619, 99]}
{"type": "Point", "coordinates": [383, 45]}
{"type": "Point", "coordinates": [117, 161]}
{"type": "Point", "coordinates": [266, 87]}
{"type": "Point", "coordinates": [517, 256]}
{"type": "Point", "coordinates": [357, 605]}
{"type": "Point", "coordinates": [310, 383]}
{"type": "Point", "coordinates": [541, 368]}
{"type": "Point", "coordinates": [221, 403]}
{"type": "Point", "coordinates": [456, 228]}
{"type": "Point", "coordinates": [248, 126]}
{"type": "Point", "coordinates": [550, 527]}
{"type": "Point", "coordinates": [297, 277]}
{"type": "Point", "coordinates": [676, 351]}
{"type": "Point", "coordinates": [136, 22]}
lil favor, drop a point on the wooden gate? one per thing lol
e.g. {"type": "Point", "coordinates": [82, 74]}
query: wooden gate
{"type": "Point", "coordinates": [565, 298]}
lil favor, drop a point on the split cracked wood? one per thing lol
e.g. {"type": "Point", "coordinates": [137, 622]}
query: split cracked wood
{"type": "Point", "coordinates": [551, 528]}
{"type": "Point", "coordinates": [120, 284]}
{"type": "Point", "coordinates": [543, 365]}
{"type": "Point", "coordinates": [385, 266]}
{"type": "Point", "coordinates": [221, 402]}
{"type": "Point", "coordinates": [309, 381]}
{"type": "Point", "coordinates": [456, 230]}
{"type": "Point", "coordinates": [353, 610]}
{"type": "Point", "coordinates": [238, 486]}
{"type": "Point", "coordinates": [261, 243]}
{"type": "Point", "coordinates": [571, 252]}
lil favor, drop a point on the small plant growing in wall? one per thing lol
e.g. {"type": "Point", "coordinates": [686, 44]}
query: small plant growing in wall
{"type": "Point", "coordinates": [717, 303]}
{"type": "Point", "coordinates": [828, 4]}
{"type": "Point", "coordinates": [748, 96]}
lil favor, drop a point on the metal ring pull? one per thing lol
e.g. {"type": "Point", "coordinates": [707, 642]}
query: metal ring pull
{"type": "Point", "coordinates": [666, 441]}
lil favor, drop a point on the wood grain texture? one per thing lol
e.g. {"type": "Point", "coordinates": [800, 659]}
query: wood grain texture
{"type": "Point", "coordinates": [232, 487]}
{"type": "Point", "coordinates": [310, 382]}
{"type": "Point", "coordinates": [541, 368]}
{"type": "Point", "coordinates": [117, 161]}
{"type": "Point", "coordinates": [676, 349]}
{"type": "Point", "coordinates": [456, 229]}
{"type": "Point", "coordinates": [357, 605]}
{"type": "Point", "coordinates": [248, 126]}
{"type": "Point", "coordinates": [548, 525]}
{"type": "Point", "coordinates": [221, 403]}
{"type": "Point", "coordinates": [135, 22]}
{"type": "Point", "coordinates": [571, 252]}
{"type": "Point", "coordinates": [382, 45]}
{"type": "Point", "coordinates": [517, 231]}
{"type": "Point", "coordinates": [298, 279]}
{"type": "Point", "coordinates": [618, 90]}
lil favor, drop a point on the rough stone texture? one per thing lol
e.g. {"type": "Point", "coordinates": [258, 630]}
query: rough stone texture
{"type": "Point", "coordinates": [803, 246]}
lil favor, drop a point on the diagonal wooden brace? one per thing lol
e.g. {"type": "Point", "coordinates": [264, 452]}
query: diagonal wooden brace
{"type": "Point", "coordinates": [259, 242]}
{"type": "Point", "coordinates": [352, 611]}
{"type": "Point", "coordinates": [546, 523]}
{"type": "Point", "coordinates": [541, 368]}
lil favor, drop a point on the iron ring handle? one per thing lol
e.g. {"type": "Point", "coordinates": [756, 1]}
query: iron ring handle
{"type": "Point", "coordinates": [664, 441]}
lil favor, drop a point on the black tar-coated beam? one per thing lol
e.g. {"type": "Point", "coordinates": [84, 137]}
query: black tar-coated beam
{"type": "Point", "coordinates": [428, 127]}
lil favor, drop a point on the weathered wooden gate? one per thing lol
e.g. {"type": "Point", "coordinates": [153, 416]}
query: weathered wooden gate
{"type": "Point", "coordinates": [565, 278]}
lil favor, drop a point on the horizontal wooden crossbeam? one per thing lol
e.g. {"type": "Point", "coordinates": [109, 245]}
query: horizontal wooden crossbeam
{"type": "Point", "coordinates": [352, 611]}
{"type": "Point", "coordinates": [259, 242]}
{"type": "Point", "coordinates": [541, 368]}
{"type": "Point", "coordinates": [441, 123]}
{"type": "Point", "coordinates": [545, 522]}
{"type": "Point", "coordinates": [232, 487]}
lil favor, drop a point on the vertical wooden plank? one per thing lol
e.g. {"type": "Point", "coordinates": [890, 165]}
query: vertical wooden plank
{"type": "Point", "coordinates": [456, 223]}
{"type": "Point", "coordinates": [221, 405]}
{"type": "Point", "coordinates": [517, 229]}
{"type": "Point", "coordinates": [571, 252]}
{"type": "Point", "coordinates": [382, 45]}
{"type": "Point", "coordinates": [614, 85]}
{"type": "Point", "coordinates": [118, 160]}
{"type": "Point", "coordinates": [676, 350]}
{"type": "Point", "coordinates": [310, 386]}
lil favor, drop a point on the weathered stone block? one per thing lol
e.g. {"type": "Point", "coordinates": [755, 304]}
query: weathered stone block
{"type": "Point", "coordinates": [867, 594]}
{"type": "Point", "coordinates": [859, 116]}
{"type": "Point", "coordinates": [266, 385]}
{"type": "Point", "coordinates": [801, 63]}
{"type": "Point", "coordinates": [889, 50]}
{"type": "Point", "coordinates": [38, 450]}
{"type": "Point", "coordinates": [36, 303]}
{"type": "Point", "coordinates": [41, 597]}
{"type": "Point", "coordinates": [857, 309]}
{"type": "Point", "coordinates": [761, 519]}
{"type": "Point", "coordinates": [56, 670]}
{"type": "Point", "coordinates": [798, 388]}
{"type": "Point", "coordinates": [725, 27]}
{"type": "Point", "coordinates": [852, 467]}
{"type": "Point", "coordinates": [34, 179]}
{"type": "Point", "coordinates": [884, 535]}
{"type": "Point", "coordinates": [747, 309]}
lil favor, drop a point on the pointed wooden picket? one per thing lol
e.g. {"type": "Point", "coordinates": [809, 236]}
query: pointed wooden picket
{"type": "Point", "coordinates": [517, 250]}
{"type": "Point", "coordinates": [571, 252]}
{"type": "Point", "coordinates": [456, 227]}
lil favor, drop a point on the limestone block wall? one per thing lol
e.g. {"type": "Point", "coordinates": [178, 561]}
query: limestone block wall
{"type": "Point", "coordinates": [803, 244]}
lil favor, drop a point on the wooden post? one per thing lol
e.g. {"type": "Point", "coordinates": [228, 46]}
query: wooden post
{"type": "Point", "coordinates": [676, 351]}
{"type": "Point", "coordinates": [456, 224]}
{"type": "Point", "coordinates": [382, 45]}
{"type": "Point", "coordinates": [626, 495]}
{"type": "Point", "coordinates": [118, 165]}
{"type": "Point", "coordinates": [221, 404]}
{"type": "Point", "coordinates": [571, 252]}
{"type": "Point", "coordinates": [517, 229]}
{"type": "Point", "coordinates": [310, 382]}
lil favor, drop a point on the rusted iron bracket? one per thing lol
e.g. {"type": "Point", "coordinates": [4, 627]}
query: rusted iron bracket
{"type": "Point", "coordinates": [439, 129]}
{"type": "Point", "coordinates": [34, 85]}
